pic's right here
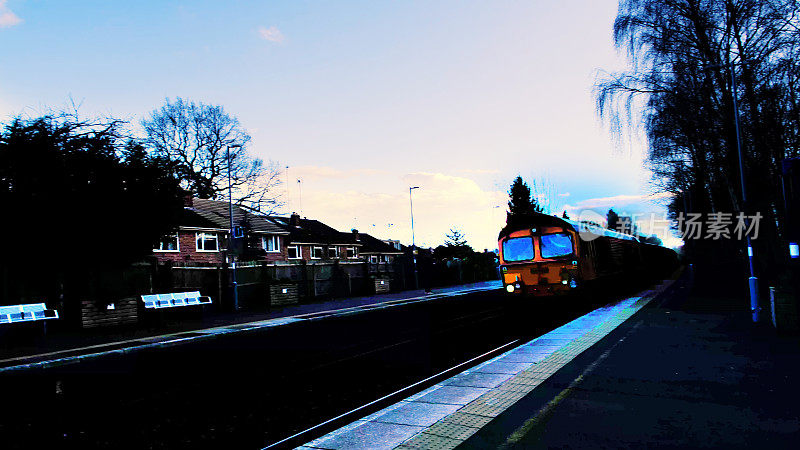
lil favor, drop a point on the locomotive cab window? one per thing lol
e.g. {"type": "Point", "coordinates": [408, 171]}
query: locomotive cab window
{"type": "Point", "coordinates": [518, 249]}
{"type": "Point", "coordinates": [555, 245]}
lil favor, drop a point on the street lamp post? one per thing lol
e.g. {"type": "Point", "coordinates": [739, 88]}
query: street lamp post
{"type": "Point", "coordinates": [754, 308]}
{"type": "Point", "coordinates": [413, 244]}
{"type": "Point", "coordinates": [230, 232]}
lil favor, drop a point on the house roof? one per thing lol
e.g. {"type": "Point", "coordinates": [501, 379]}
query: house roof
{"type": "Point", "coordinates": [216, 213]}
{"type": "Point", "coordinates": [374, 245]}
{"type": "Point", "coordinates": [310, 231]}
{"type": "Point", "coordinates": [191, 219]}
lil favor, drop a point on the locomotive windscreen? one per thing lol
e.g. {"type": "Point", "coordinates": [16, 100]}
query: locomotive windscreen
{"type": "Point", "coordinates": [518, 249]}
{"type": "Point", "coordinates": [555, 245]}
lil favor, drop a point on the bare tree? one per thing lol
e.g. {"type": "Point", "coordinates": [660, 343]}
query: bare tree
{"type": "Point", "coordinates": [685, 56]}
{"type": "Point", "coordinates": [196, 138]}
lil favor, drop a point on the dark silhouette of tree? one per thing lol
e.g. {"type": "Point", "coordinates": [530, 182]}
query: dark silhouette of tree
{"type": "Point", "coordinates": [81, 197]}
{"type": "Point", "coordinates": [683, 54]}
{"type": "Point", "coordinates": [455, 246]}
{"type": "Point", "coordinates": [612, 219]}
{"type": "Point", "coordinates": [195, 137]}
{"type": "Point", "coordinates": [521, 204]}
{"type": "Point", "coordinates": [455, 238]}
{"type": "Point", "coordinates": [87, 181]}
{"type": "Point", "coordinates": [565, 215]}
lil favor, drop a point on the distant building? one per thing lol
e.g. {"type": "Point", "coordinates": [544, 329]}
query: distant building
{"type": "Point", "coordinates": [202, 238]}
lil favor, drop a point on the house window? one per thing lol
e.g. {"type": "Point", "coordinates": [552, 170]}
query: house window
{"type": "Point", "coordinates": [168, 243]}
{"type": "Point", "coordinates": [373, 259]}
{"type": "Point", "coordinates": [333, 252]}
{"type": "Point", "coordinates": [352, 252]}
{"type": "Point", "coordinates": [294, 251]}
{"type": "Point", "coordinates": [271, 243]}
{"type": "Point", "coordinates": [316, 252]}
{"type": "Point", "coordinates": [207, 242]}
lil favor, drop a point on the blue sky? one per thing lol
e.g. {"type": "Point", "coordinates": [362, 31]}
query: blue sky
{"type": "Point", "coordinates": [360, 99]}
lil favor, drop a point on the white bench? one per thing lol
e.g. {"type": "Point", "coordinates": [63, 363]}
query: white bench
{"type": "Point", "coordinates": [26, 313]}
{"type": "Point", "coordinates": [159, 301]}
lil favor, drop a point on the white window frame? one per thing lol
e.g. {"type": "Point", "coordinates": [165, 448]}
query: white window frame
{"type": "Point", "coordinates": [354, 250]}
{"type": "Point", "coordinates": [206, 236]}
{"type": "Point", "coordinates": [335, 252]}
{"type": "Point", "coordinates": [276, 242]}
{"type": "Point", "coordinates": [314, 251]}
{"type": "Point", "coordinates": [298, 252]}
{"type": "Point", "coordinates": [161, 244]}
{"type": "Point", "coordinates": [373, 259]}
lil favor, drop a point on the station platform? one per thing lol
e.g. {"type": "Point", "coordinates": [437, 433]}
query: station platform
{"type": "Point", "coordinates": [663, 368]}
{"type": "Point", "coordinates": [74, 346]}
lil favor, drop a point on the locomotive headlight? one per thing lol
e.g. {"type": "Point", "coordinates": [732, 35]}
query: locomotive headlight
{"type": "Point", "coordinates": [510, 288]}
{"type": "Point", "coordinates": [563, 281]}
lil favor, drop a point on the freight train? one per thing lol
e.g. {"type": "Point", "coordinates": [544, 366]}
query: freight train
{"type": "Point", "coordinates": [546, 256]}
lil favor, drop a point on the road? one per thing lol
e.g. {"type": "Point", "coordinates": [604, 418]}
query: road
{"type": "Point", "coordinates": [254, 388]}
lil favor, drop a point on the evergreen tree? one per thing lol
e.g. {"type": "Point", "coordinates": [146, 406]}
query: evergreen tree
{"type": "Point", "coordinates": [455, 238]}
{"type": "Point", "coordinates": [613, 220]}
{"type": "Point", "coordinates": [565, 216]}
{"type": "Point", "coordinates": [521, 204]}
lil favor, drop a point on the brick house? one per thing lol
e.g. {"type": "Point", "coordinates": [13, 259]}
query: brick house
{"type": "Point", "coordinates": [202, 236]}
{"type": "Point", "coordinates": [376, 251]}
{"type": "Point", "coordinates": [311, 240]}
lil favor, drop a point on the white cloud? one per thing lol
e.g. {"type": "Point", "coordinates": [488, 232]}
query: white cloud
{"type": "Point", "coordinates": [7, 17]}
{"type": "Point", "coordinates": [271, 34]}
{"type": "Point", "coordinates": [565, 194]}
{"type": "Point", "coordinates": [618, 201]}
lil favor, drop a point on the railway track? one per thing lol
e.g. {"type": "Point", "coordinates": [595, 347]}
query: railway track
{"type": "Point", "coordinates": [259, 388]}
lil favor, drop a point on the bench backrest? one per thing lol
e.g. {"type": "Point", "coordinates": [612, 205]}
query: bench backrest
{"type": "Point", "coordinates": [26, 313]}
{"type": "Point", "coordinates": [156, 301]}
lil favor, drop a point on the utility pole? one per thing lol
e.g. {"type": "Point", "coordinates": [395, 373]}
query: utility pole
{"type": "Point", "coordinates": [230, 232]}
{"type": "Point", "coordinates": [413, 244]}
{"type": "Point", "coordinates": [754, 308]}
{"type": "Point", "coordinates": [299, 198]}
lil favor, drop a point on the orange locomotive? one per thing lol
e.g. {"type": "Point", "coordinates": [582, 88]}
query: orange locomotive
{"type": "Point", "coordinates": [551, 256]}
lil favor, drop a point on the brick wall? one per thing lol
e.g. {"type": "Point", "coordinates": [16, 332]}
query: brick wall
{"type": "Point", "coordinates": [283, 294]}
{"type": "Point", "coordinates": [187, 243]}
{"type": "Point", "coordinates": [94, 315]}
{"type": "Point", "coordinates": [381, 285]}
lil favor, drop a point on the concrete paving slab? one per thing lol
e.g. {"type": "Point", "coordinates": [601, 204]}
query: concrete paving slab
{"type": "Point", "coordinates": [453, 395]}
{"type": "Point", "coordinates": [503, 366]}
{"type": "Point", "coordinates": [417, 413]}
{"type": "Point", "coordinates": [373, 435]}
{"type": "Point", "coordinates": [478, 379]}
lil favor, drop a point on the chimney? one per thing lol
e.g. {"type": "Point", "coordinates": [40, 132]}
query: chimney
{"type": "Point", "coordinates": [294, 220]}
{"type": "Point", "coordinates": [355, 234]}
